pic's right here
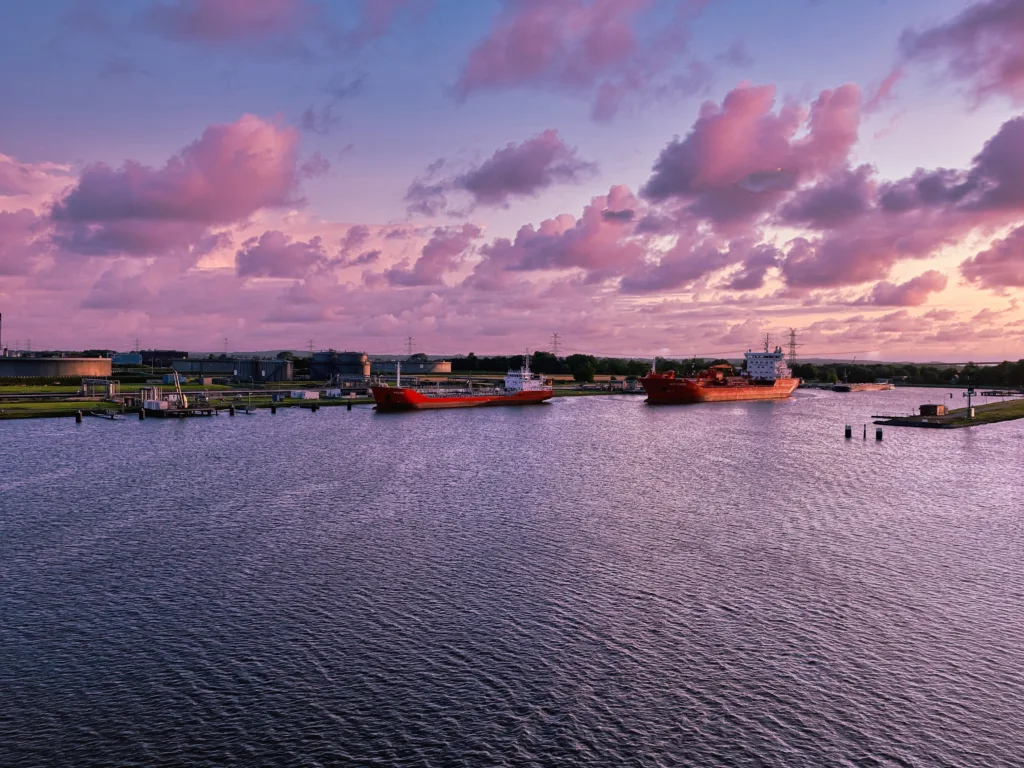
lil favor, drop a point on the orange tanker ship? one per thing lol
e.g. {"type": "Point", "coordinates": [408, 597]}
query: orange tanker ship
{"type": "Point", "coordinates": [521, 388]}
{"type": "Point", "coordinates": [767, 378]}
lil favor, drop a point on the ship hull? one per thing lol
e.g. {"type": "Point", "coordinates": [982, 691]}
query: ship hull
{"type": "Point", "coordinates": [407, 399]}
{"type": "Point", "coordinates": [670, 391]}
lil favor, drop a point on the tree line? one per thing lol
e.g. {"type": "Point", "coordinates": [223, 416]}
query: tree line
{"type": "Point", "coordinates": [1005, 374]}
{"type": "Point", "coordinates": [581, 367]}
{"type": "Point", "coordinates": [584, 368]}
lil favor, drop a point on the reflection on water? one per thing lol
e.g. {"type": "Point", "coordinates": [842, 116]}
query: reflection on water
{"type": "Point", "coordinates": [589, 581]}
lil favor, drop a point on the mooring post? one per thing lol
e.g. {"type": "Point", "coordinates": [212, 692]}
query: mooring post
{"type": "Point", "coordinates": [878, 433]}
{"type": "Point", "coordinates": [78, 417]}
{"type": "Point", "coordinates": [348, 406]}
{"type": "Point", "coordinates": [273, 409]}
{"type": "Point", "coordinates": [142, 415]}
{"type": "Point", "coordinates": [849, 431]}
{"type": "Point", "coordinates": [231, 410]}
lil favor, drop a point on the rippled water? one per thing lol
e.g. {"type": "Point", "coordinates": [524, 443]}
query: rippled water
{"type": "Point", "coordinates": [594, 581]}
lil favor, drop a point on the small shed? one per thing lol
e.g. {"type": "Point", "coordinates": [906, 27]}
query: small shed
{"type": "Point", "coordinates": [305, 394]}
{"type": "Point", "coordinates": [933, 409]}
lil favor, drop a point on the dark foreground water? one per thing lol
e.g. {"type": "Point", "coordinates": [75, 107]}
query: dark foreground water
{"type": "Point", "coordinates": [594, 581]}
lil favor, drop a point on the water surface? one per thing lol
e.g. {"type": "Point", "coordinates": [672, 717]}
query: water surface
{"type": "Point", "coordinates": [592, 581]}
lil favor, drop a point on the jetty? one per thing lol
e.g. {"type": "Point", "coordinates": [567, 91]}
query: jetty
{"type": "Point", "coordinates": [990, 413]}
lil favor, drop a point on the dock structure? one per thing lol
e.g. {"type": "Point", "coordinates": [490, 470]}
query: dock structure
{"type": "Point", "coordinates": [930, 416]}
{"type": "Point", "coordinates": [182, 413]}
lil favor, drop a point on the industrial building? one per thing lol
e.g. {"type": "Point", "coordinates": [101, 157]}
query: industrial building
{"type": "Point", "coordinates": [241, 369]}
{"type": "Point", "coordinates": [54, 367]}
{"type": "Point", "coordinates": [335, 365]}
{"type": "Point", "coordinates": [162, 358]}
{"type": "Point", "coordinates": [127, 358]}
{"type": "Point", "coordinates": [413, 366]}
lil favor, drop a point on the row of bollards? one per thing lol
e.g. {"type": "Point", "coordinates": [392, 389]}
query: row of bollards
{"type": "Point", "coordinates": [878, 432]}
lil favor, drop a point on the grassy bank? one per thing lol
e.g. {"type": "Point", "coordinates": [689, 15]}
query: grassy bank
{"type": "Point", "coordinates": [991, 413]}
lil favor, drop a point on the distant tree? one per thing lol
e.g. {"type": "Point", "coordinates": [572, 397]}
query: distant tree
{"type": "Point", "coordinates": [583, 372]}
{"type": "Point", "coordinates": [419, 356]}
{"type": "Point", "coordinates": [577, 361]}
{"type": "Point", "coordinates": [285, 355]}
{"type": "Point", "coordinates": [545, 362]}
{"type": "Point", "coordinates": [805, 371]}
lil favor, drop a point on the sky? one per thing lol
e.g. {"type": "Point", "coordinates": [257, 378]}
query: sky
{"type": "Point", "coordinates": [641, 177]}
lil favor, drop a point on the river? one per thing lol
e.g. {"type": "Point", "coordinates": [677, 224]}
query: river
{"type": "Point", "coordinates": [593, 581]}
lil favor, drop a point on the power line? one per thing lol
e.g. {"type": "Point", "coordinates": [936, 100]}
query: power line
{"type": "Point", "coordinates": [408, 345]}
{"type": "Point", "coordinates": [310, 344]}
{"type": "Point", "coordinates": [554, 343]}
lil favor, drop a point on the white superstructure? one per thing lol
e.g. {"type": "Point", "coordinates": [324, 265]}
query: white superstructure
{"type": "Point", "coordinates": [767, 366]}
{"type": "Point", "coordinates": [524, 380]}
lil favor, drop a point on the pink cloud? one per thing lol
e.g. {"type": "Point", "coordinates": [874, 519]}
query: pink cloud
{"type": "Point", "coordinates": [983, 46]}
{"type": "Point", "coordinates": [219, 21]}
{"type": "Point", "coordinates": [568, 42]}
{"type": "Point", "coordinates": [1000, 266]}
{"type": "Point", "coordinates": [832, 202]}
{"type": "Point", "coordinates": [355, 237]}
{"type": "Point", "coordinates": [525, 169]}
{"type": "Point", "coordinates": [866, 251]}
{"type": "Point", "coordinates": [584, 46]}
{"type": "Point", "coordinates": [516, 170]}
{"type": "Point", "coordinates": [912, 293]}
{"type": "Point", "coordinates": [600, 245]}
{"type": "Point", "coordinates": [444, 253]}
{"type": "Point", "coordinates": [20, 243]}
{"type": "Point", "coordinates": [23, 179]}
{"type": "Point", "coordinates": [883, 94]}
{"type": "Point", "coordinates": [992, 188]}
{"type": "Point", "coordinates": [122, 287]}
{"type": "Point", "coordinates": [229, 173]}
{"type": "Point", "coordinates": [741, 159]}
{"type": "Point", "coordinates": [274, 254]}
{"type": "Point", "coordinates": [685, 263]}
{"type": "Point", "coordinates": [906, 219]}
{"type": "Point", "coordinates": [754, 268]}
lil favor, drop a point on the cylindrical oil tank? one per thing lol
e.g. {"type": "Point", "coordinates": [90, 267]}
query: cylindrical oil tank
{"type": "Point", "coordinates": [54, 367]}
{"type": "Point", "coordinates": [326, 365]}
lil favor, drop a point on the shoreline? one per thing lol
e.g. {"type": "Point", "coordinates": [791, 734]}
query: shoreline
{"type": "Point", "coordinates": [12, 411]}
{"type": "Point", "coordinates": [990, 413]}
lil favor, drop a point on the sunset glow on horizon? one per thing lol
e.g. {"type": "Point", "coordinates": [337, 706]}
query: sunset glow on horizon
{"type": "Point", "coordinates": [640, 176]}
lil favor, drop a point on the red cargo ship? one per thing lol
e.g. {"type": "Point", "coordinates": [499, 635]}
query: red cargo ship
{"type": "Point", "coordinates": [521, 388]}
{"type": "Point", "coordinates": [767, 378]}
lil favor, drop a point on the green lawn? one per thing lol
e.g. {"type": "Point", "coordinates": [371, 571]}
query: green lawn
{"type": "Point", "coordinates": [990, 413]}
